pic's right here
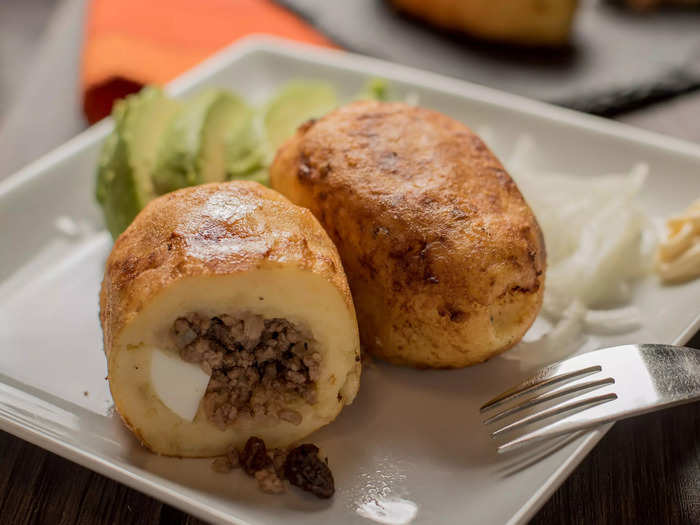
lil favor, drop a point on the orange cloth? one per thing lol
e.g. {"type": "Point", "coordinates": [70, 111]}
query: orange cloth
{"type": "Point", "coordinates": [130, 43]}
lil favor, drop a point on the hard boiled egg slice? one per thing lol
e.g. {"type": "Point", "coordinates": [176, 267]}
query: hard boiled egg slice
{"type": "Point", "coordinates": [178, 384]}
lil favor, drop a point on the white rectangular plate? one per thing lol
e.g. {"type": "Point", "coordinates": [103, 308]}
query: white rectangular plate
{"type": "Point", "coordinates": [411, 448]}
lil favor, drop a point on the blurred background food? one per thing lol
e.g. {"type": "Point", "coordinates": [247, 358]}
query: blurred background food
{"type": "Point", "coordinates": [649, 4]}
{"type": "Point", "coordinates": [517, 21]}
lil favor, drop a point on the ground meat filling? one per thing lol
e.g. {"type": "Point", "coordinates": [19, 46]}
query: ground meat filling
{"type": "Point", "coordinates": [259, 366]}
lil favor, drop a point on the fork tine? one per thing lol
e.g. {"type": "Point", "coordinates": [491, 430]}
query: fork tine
{"type": "Point", "coordinates": [557, 410]}
{"type": "Point", "coordinates": [537, 382]}
{"type": "Point", "coordinates": [549, 396]}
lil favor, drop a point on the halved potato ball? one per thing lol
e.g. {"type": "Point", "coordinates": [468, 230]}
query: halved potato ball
{"type": "Point", "coordinates": [226, 314]}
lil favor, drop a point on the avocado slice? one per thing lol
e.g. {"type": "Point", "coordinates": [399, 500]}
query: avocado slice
{"type": "Point", "coordinates": [116, 188]}
{"type": "Point", "coordinates": [178, 162]}
{"type": "Point", "coordinates": [247, 157]}
{"type": "Point", "coordinates": [230, 143]}
{"type": "Point", "coordinates": [129, 155]}
{"type": "Point", "coordinates": [294, 104]}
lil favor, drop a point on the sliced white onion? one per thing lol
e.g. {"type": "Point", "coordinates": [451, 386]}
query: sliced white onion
{"type": "Point", "coordinates": [561, 340]}
{"type": "Point", "coordinates": [611, 322]}
{"type": "Point", "coordinates": [599, 241]}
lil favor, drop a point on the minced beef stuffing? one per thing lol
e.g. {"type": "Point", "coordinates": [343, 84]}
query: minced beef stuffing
{"type": "Point", "coordinates": [259, 366]}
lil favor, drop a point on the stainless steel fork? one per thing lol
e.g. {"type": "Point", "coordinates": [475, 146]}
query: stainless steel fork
{"type": "Point", "coordinates": [594, 388]}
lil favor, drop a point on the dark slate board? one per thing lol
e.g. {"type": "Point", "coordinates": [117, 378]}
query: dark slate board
{"type": "Point", "coordinates": [617, 59]}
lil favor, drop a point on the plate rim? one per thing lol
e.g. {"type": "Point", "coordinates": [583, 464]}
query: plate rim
{"type": "Point", "coordinates": [167, 490]}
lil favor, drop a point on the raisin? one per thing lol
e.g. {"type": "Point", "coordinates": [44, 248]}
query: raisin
{"type": "Point", "coordinates": [254, 456]}
{"type": "Point", "coordinates": [304, 469]}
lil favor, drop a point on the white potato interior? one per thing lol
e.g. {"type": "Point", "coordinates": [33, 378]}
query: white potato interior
{"type": "Point", "coordinates": [300, 296]}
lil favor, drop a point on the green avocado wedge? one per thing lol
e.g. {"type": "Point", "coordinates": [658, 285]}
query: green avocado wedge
{"type": "Point", "coordinates": [231, 146]}
{"type": "Point", "coordinates": [297, 102]}
{"type": "Point", "coordinates": [246, 157]}
{"type": "Point", "coordinates": [116, 188]}
{"type": "Point", "coordinates": [177, 165]}
{"type": "Point", "coordinates": [129, 154]}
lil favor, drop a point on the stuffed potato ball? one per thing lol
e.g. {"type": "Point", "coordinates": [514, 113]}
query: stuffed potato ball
{"type": "Point", "coordinates": [445, 260]}
{"type": "Point", "coordinates": [226, 314]}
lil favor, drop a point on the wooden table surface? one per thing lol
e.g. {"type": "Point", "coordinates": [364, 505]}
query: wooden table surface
{"type": "Point", "coordinates": [645, 470]}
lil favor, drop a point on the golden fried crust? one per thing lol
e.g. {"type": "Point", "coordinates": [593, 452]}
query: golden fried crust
{"type": "Point", "coordinates": [212, 229]}
{"type": "Point", "coordinates": [445, 259]}
{"type": "Point", "coordinates": [541, 22]}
